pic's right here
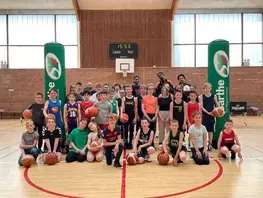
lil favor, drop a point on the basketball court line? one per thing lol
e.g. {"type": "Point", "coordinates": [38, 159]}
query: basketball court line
{"type": "Point", "coordinates": [254, 149]}
{"type": "Point", "coordinates": [123, 176]}
{"type": "Point", "coordinates": [9, 154]}
{"type": "Point", "coordinates": [9, 146]}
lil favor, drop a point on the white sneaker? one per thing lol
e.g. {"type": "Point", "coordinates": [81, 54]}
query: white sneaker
{"type": "Point", "coordinates": [148, 158]}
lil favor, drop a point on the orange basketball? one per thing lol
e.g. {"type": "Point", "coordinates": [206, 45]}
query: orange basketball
{"type": "Point", "coordinates": [163, 158]}
{"type": "Point", "coordinates": [28, 160]}
{"type": "Point", "coordinates": [95, 144]}
{"type": "Point", "coordinates": [92, 112]}
{"type": "Point", "coordinates": [124, 118]}
{"type": "Point", "coordinates": [218, 112]}
{"type": "Point", "coordinates": [51, 159]}
{"type": "Point", "coordinates": [51, 116]}
{"type": "Point", "coordinates": [132, 158]}
{"type": "Point", "coordinates": [27, 114]}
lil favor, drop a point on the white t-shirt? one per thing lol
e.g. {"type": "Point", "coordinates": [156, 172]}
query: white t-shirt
{"type": "Point", "coordinates": [198, 135]}
{"type": "Point", "coordinates": [94, 137]}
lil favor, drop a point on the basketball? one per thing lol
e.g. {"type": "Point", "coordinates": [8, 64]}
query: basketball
{"type": "Point", "coordinates": [92, 112]}
{"type": "Point", "coordinates": [132, 158]}
{"type": "Point", "coordinates": [51, 116]}
{"type": "Point", "coordinates": [163, 158]}
{"type": "Point", "coordinates": [124, 118]}
{"type": "Point", "coordinates": [218, 112]}
{"type": "Point", "coordinates": [28, 160]}
{"type": "Point", "coordinates": [27, 114]}
{"type": "Point", "coordinates": [95, 144]}
{"type": "Point", "coordinates": [51, 159]}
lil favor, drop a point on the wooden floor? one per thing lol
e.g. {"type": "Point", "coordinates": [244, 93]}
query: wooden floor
{"type": "Point", "coordinates": [222, 178]}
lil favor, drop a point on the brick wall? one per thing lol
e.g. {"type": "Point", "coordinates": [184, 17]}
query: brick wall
{"type": "Point", "coordinates": [246, 82]}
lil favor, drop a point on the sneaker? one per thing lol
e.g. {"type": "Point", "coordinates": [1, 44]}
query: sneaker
{"type": "Point", "coordinates": [148, 158]}
{"type": "Point", "coordinates": [189, 149]}
{"type": "Point", "coordinates": [180, 161]}
{"type": "Point", "coordinates": [117, 165]}
{"type": "Point", "coordinates": [210, 148]}
{"type": "Point", "coordinates": [223, 156]}
{"type": "Point", "coordinates": [233, 155]}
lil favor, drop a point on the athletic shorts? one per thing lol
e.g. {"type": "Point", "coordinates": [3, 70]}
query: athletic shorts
{"type": "Point", "coordinates": [143, 152]}
{"type": "Point", "coordinates": [183, 149]}
{"type": "Point", "coordinates": [229, 146]}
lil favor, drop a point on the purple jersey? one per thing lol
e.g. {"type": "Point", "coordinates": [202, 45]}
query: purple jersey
{"type": "Point", "coordinates": [72, 110]}
{"type": "Point", "coordinates": [72, 116]}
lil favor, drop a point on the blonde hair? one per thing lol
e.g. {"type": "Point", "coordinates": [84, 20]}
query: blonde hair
{"type": "Point", "coordinates": [150, 85]}
{"type": "Point", "coordinates": [29, 122]}
{"type": "Point", "coordinates": [113, 116]}
{"type": "Point", "coordinates": [207, 85]}
{"type": "Point", "coordinates": [165, 89]}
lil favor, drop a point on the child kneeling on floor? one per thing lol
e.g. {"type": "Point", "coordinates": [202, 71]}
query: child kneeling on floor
{"type": "Point", "coordinates": [173, 144]}
{"type": "Point", "coordinates": [143, 142]}
{"type": "Point", "coordinates": [95, 137]}
{"type": "Point", "coordinates": [198, 137]}
{"type": "Point", "coordinates": [112, 141]}
{"type": "Point", "coordinates": [78, 141]}
{"type": "Point", "coordinates": [228, 141]}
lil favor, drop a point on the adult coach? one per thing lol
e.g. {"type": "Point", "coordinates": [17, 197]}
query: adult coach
{"type": "Point", "coordinates": [163, 82]}
{"type": "Point", "coordinates": [136, 86]}
{"type": "Point", "coordinates": [186, 87]}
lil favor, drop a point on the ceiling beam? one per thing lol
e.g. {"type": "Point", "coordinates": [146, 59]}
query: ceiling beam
{"type": "Point", "coordinates": [174, 8]}
{"type": "Point", "coordinates": [76, 9]}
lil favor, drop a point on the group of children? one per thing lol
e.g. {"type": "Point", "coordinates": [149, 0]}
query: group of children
{"type": "Point", "coordinates": [175, 115]}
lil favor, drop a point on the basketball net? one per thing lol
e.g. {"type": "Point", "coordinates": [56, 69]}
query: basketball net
{"type": "Point", "coordinates": [124, 73]}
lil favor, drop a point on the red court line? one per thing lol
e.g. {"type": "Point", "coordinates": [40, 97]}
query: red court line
{"type": "Point", "coordinates": [43, 189]}
{"type": "Point", "coordinates": [123, 176]}
{"type": "Point", "coordinates": [219, 174]}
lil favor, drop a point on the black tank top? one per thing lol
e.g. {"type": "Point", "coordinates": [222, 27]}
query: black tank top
{"type": "Point", "coordinates": [129, 107]}
{"type": "Point", "coordinates": [144, 138]}
{"type": "Point", "coordinates": [209, 102]}
{"type": "Point", "coordinates": [174, 141]}
{"type": "Point", "coordinates": [178, 112]}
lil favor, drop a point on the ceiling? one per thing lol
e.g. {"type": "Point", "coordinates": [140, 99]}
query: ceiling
{"type": "Point", "coordinates": [126, 4]}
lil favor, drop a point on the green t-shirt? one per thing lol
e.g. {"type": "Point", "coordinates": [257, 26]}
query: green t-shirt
{"type": "Point", "coordinates": [79, 138]}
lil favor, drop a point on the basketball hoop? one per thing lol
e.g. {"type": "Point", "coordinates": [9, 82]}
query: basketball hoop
{"type": "Point", "coordinates": [124, 73]}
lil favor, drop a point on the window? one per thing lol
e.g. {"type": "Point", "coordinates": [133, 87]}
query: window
{"type": "Point", "coordinates": [66, 29]}
{"type": "Point", "coordinates": [184, 29]}
{"type": "Point", "coordinates": [252, 28]}
{"type": "Point", "coordinates": [26, 57]}
{"type": "Point", "coordinates": [193, 33]}
{"type": "Point", "coordinates": [29, 33]}
{"type": "Point", "coordinates": [3, 54]}
{"type": "Point", "coordinates": [31, 29]}
{"type": "Point", "coordinates": [253, 53]}
{"type": "Point", "coordinates": [71, 56]}
{"type": "Point", "coordinates": [184, 56]}
{"type": "Point", "coordinates": [3, 37]}
{"type": "Point", "coordinates": [210, 27]}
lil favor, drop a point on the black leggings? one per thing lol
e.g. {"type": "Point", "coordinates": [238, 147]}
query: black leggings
{"type": "Point", "coordinates": [39, 128]}
{"type": "Point", "coordinates": [203, 160]}
{"type": "Point", "coordinates": [108, 153]}
{"type": "Point", "coordinates": [72, 156]}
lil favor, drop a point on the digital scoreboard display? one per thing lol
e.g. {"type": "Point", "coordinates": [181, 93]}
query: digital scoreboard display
{"type": "Point", "coordinates": [123, 50]}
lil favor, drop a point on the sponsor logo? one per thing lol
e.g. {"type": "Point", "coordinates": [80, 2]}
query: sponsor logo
{"type": "Point", "coordinates": [221, 63]}
{"type": "Point", "coordinates": [53, 66]}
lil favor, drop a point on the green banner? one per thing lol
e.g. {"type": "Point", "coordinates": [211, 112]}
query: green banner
{"type": "Point", "coordinates": [218, 76]}
{"type": "Point", "coordinates": [55, 73]}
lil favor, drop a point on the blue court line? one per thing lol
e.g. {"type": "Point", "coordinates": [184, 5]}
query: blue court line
{"type": "Point", "coordinates": [9, 154]}
{"type": "Point", "coordinates": [9, 146]}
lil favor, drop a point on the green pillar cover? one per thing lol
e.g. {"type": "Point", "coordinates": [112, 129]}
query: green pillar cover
{"type": "Point", "coordinates": [218, 76]}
